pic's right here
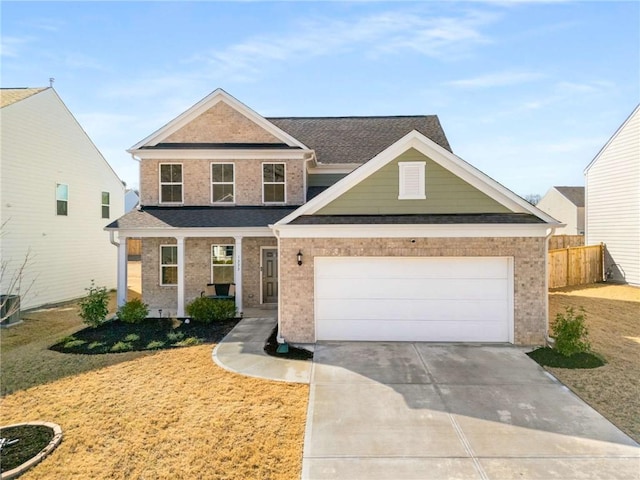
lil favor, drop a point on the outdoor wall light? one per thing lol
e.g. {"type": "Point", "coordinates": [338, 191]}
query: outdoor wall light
{"type": "Point", "coordinates": [299, 257]}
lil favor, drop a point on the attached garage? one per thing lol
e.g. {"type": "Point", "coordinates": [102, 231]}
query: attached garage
{"type": "Point", "coordinates": [438, 299]}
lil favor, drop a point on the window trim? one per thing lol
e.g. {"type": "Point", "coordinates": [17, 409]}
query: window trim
{"type": "Point", "coordinates": [107, 205]}
{"type": "Point", "coordinates": [162, 265]}
{"type": "Point", "coordinates": [403, 170]}
{"type": "Point", "coordinates": [66, 200]}
{"type": "Point", "coordinates": [161, 183]}
{"type": "Point", "coordinates": [233, 259]}
{"type": "Point", "coordinates": [233, 183]}
{"type": "Point", "coordinates": [284, 183]}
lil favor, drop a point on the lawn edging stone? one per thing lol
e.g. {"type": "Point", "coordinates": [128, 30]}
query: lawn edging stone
{"type": "Point", "coordinates": [55, 441]}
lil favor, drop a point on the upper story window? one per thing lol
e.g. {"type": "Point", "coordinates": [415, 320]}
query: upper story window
{"type": "Point", "coordinates": [412, 185]}
{"type": "Point", "coordinates": [168, 264]}
{"type": "Point", "coordinates": [105, 204]}
{"type": "Point", "coordinates": [62, 199]}
{"type": "Point", "coordinates": [273, 183]}
{"type": "Point", "coordinates": [171, 183]}
{"type": "Point", "coordinates": [222, 183]}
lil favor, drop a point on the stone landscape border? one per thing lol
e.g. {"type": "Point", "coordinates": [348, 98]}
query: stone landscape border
{"type": "Point", "coordinates": [55, 441]}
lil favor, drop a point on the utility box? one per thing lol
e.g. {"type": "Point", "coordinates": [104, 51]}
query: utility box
{"type": "Point", "coordinates": [9, 310]}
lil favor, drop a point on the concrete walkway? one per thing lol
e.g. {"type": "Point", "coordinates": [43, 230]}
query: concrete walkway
{"type": "Point", "coordinates": [434, 411]}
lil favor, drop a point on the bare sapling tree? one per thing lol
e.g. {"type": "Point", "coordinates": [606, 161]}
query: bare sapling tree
{"type": "Point", "coordinates": [13, 282]}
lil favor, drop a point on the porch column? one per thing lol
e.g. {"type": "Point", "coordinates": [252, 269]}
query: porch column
{"type": "Point", "coordinates": [238, 274]}
{"type": "Point", "coordinates": [180, 312]}
{"type": "Point", "coordinates": [121, 295]}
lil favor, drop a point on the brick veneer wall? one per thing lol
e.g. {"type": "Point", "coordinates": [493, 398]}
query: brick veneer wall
{"type": "Point", "coordinates": [198, 270]}
{"type": "Point", "coordinates": [297, 282]}
{"type": "Point", "coordinates": [196, 177]}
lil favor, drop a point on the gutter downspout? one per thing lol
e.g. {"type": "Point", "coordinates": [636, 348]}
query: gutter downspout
{"type": "Point", "coordinates": [550, 341]}
{"type": "Point", "coordinates": [279, 338]}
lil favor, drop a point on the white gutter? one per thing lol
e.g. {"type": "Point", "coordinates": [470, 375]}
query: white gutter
{"type": "Point", "coordinates": [551, 230]}
{"type": "Point", "coordinates": [279, 339]}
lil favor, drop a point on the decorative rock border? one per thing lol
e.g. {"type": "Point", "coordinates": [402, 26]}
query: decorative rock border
{"type": "Point", "coordinates": [55, 441]}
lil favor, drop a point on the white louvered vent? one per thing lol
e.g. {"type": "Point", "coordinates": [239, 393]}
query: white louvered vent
{"type": "Point", "coordinates": [411, 181]}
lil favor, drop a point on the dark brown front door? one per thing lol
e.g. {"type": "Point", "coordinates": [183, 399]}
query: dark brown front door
{"type": "Point", "coordinates": [269, 275]}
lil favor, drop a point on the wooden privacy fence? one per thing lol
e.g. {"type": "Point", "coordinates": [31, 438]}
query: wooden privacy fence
{"type": "Point", "coordinates": [575, 266]}
{"type": "Point", "coordinates": [565, 241]}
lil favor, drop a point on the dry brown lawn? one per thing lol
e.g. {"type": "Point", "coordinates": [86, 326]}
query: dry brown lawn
{"type": "Point", "coordinates": [168, 414]}
{"type": "Point", "coordinates": [613, 319]}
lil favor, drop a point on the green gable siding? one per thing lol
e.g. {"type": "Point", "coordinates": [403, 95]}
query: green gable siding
{"type": "Point", "coordinates": [324, 179]}
{"type": "Point", "coordinates": [445, 192]}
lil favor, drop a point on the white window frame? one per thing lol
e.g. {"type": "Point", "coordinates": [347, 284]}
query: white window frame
{"type": "Point", "coordinates": [107, 205]}
{"type": "Point", "coordinates": [233, 183]}
{"type": "Point", "coordinates": [161, 183]}
{"type": "Point", "coordinates": [232, 264]}
{"type": "Point", "coordinates": [284, 182]}
{"type": "Point", "coordinates": [408, 190]}
{"type": "Point", "coordinates": [66, 200]}
{"type": "Point", "coordinates": [163, 265]}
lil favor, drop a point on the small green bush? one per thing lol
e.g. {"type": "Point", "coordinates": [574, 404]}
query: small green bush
{"type": "Point", "coordinates": [175, 336]}
{"type": "Point", "coordinates": [132, 337]}
{"type": "Point", "coordinates": [155, 344]}
{"type": "Point", "coordinates": [134, 311]}
{"type": "Point", "coordinates": [207, 310]}
{"type": "Point", "coordinates": [570, 332]}
{"type": "Point", "coordinates": [189, 342]}
{"type": "Point", "coordinates": [93, 308]}
{"type": "Point", "coordinates": [121, 347]}
{"type": "Point", "coordinates": [74, 343]}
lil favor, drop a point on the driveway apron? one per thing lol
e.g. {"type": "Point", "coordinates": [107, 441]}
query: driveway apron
{"type": "Point", "coordinates": [431, 411]}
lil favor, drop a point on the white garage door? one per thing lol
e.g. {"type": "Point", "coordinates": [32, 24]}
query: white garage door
{"type": "Point", "coordinates": [437, 299]}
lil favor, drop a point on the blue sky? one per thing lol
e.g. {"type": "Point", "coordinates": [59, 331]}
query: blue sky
{"type": "Point", "coordinates": [528, 92]}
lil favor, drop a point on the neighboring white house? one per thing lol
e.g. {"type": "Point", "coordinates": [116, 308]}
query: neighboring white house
{"type": "Point", "coordinates": [131, 200]}
{"type": "Point", "coordinates": [567, 205]}
{"type": "Point", "coordinates": [57, 192]}
{"type": "Point", "coordinates": [613, 201]}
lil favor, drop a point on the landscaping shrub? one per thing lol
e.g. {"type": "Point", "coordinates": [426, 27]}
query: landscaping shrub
{"type": "Point", "coordinates": [93, 308]}
{"type": "Point", "coordinates": [133, 311]}
{"type": "Point", "coordinates": [207, 310]}
{"type": "Point", "coordinates": [570, 332]}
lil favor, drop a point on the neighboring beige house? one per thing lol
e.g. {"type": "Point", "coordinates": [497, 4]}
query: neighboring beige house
{"type": "Point", "coordinates": [357, 228]}
{"type": "Point", "coordinates": [565, 204]}
{"type": "Point", "coordinates": [613, 202]}
{"type": "Point", "coordinates": [57, 192]}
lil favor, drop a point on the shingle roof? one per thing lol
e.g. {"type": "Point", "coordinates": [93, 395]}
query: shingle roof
{"type": "Point", "coordinates": [357, 139]}
{"type": "Point", "coordinates": [9, 96]}
{"type": "Point", "coordinates": [201, 217]}
{"type": "Point", "coordinates": [417, 219]}
{"type": "Point", "coordinates": [574, 194]}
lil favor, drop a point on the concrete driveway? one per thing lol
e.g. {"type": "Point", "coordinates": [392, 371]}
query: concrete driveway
{"type": "Point", "coordinates": [425, 411]}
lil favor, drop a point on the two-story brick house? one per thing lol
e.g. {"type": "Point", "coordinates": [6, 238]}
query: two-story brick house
{"type": "Point", "coordinates": [362, 228]}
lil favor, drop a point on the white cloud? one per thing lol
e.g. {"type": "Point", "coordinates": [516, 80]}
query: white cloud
{"type": "Point", "coordinates": [11, 46]}
{"type": "Point", "coordinates": [498, 79]}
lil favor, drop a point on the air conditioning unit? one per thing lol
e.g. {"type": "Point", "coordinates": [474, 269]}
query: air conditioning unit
{"type": "Point", "coordinates": [9, 310]}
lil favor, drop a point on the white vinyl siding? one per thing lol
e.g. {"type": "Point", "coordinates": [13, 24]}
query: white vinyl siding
{"type": "Point", "coordinates": [64, 256]}
{"type": "Point", "coordinates": [411, 179]}
{"type": "Point", "coordinates": [414, 299]}
{"type": "Point", "coordinates": [222, 183]}
{"type": "Point", "coordinates": [613, 202]}
{"type": "Point", "coordinates": [171, 187]}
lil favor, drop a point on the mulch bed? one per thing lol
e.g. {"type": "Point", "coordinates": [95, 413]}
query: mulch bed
{"type": "Point", "coordinates": [552, 358]}
{"type": "Point", "coordinates": [32, 439]}
{"type": "Point", "coordinates": [151, 334]}
{"type": "Point", "coordinates": [294, 353]}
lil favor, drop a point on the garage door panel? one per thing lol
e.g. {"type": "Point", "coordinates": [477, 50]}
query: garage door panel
{"type": "Point", "coordinates": [408, 330]}
{"type": "Point", "coordinates": [414, 298]}
{"type": "Point", "coordinates": [399, 288]}
{"type": "Point", "coordinates": [421, 310]}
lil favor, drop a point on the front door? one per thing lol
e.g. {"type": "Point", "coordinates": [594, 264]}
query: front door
{"type": "Point", "coordinates": [269, 275]}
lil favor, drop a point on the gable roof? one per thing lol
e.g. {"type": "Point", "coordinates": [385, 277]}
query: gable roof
{"type": "Point", "coordinates": [205, 104]}
{"type": "Point", "coordinates": [340, 140]}
{"type": "Point", "coordinates": [9, 96]}
{"type": "Point", "coordinates": [438, 154]}
{"type": "Point", "coordinates": [633, 114]}
{"type": "Point", "coordinates": [574, 194]}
